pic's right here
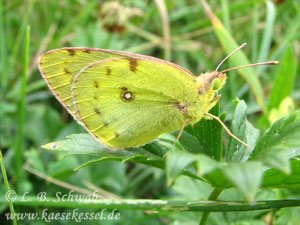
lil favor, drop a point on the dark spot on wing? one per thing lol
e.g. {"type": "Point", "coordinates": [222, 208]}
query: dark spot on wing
{"type": "Point", "coordinates": [66, 71]}
{"type": "Point", "coordinates": [95, 97]}
{"type": "Point", "coordinates": [96, 85]}
{"type": "Point", "coordinates": [133, 63]}
{"type": "Point", "coordinates": [117, 134]}
{"type": "Point", "coordinates": [97, 111]}
{"type": "Point", "coordinates": [127, 96]}
{"type": "Point", "coordinates": [124, 88]}
{"type": "Point", "coordinates": [71, 52]}
{"type": "Point", "coordinates": [86, 50]}
{"type": "Point", "coordinates": [108, 70]}
{"type": "Point", "coordinates": [106, 124]}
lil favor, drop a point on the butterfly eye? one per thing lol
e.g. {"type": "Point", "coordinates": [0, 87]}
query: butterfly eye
{"type": "Point", "coordinates": [217, 84]}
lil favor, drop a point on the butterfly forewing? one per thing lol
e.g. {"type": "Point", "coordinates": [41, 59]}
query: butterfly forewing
{"type": "Point", "coordinates": [60, 66]}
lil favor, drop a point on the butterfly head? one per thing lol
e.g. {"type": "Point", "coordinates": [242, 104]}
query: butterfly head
{"type": "Point", "coordinates": [211, 82]}
{"type": "Point", "coordinates": [208, 85]}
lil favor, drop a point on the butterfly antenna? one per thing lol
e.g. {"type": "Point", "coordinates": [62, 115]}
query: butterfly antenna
{"type": "Point", "coordinates": [228, 131]}
{"type": "Point", "coordinates": [255, 64]}
{"type": "Point", "coordinates": [220, 64]}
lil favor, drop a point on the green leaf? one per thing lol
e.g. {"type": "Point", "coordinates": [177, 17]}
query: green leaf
{"type": "Point", "coordinates": [205, 164]}
{"type": "Point", "coordinates": [285, 78]}
{"type": "Point", "coordinates": [176, 162]}
{"type": "Point", "coordinates": [275, 178]}
{"type": "Point", "coordinates": [36, 131]}
{"type": "Point", "coordinates": [217, 179]}
{"type": "Point", "coordinates": [188, 141]}
{"type": "Point", "coordinates": [86, 144]}
{"type": "Point", "coordinates": [209, 134]}
{"type": "Point", "coordinates": [169, 142]}
{"type": "Point", "coordinates": [276, 134]}
{"type": "Point", "coordinates": [246, 177]}
{"type": "Point", "coordinates": [245, 131]}
{"type": "Point", "coordinates": [278, 144]}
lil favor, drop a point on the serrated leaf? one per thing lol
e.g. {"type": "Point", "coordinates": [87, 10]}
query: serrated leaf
{"type": "Point", "coordinates": [176, 162]}
{"type": "Point", "coordinates": [169, 142]}
{"type": "Point", "coordinates": [280, 143]}
{"type": "Point", "coordinates": [275, 134]}
{"type": "Point", "coordinates": [209, 134]}
{"type": "Point", "coordinates": [245, 131]}
{"type": "Point", "coordinates": [205, 164]}
{"type": "Point", "coordinates": [155, 149]}
{"type": "Point", "coordinates": [246, 177]}
{"type": "Point", "coordinates": [135, 158]}
{"type": "Point", "coordinates": [188, 141]}
{"type": "Point", "coordinates": [217, 179]}
{"type": "Point", "coordinates": [275, 178]}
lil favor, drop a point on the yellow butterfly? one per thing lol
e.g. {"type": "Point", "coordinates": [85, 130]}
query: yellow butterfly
{"type": "Point", "coordinates": [125, 99]}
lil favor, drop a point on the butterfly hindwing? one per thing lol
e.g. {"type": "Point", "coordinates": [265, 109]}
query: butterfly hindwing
{"type": "Point", "coordinates": [128, 101]}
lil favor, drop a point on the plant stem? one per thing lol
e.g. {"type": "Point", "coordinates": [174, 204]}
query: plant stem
{"type": "Point", "coordinates": [22, 109]}
{"type": "Point", "coordinates": [155, 205]}
{"type": "Point", "coordinates": [8, 190]}
{"type": "Point", "coordinates": [213, 196]}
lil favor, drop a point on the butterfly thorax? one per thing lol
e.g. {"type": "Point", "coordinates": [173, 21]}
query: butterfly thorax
{"type": "Point", "coordinates": [207, 87]}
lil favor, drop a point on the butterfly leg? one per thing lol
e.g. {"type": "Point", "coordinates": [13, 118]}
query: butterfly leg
{"type": "Point", "coordinates": [212, 104]}
{"type": "Point", "coordinates": [180, 133]}
{"type": "Point", "coordinates": [182, 128]}
{"type": "Point", "coordinates": [228, 131]}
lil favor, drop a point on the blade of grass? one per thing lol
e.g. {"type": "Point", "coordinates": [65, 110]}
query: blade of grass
{"type": "Point", "coordinates": [3, 51]}
{"type": "Point", "coordinates": [19, 39]}
{"type": "Point", "coordinates": [254, 47]}
{"type": "Point", "coordinates": [286, 75]}
{"type": "Point", "coordinates": [291, 33]}
{"type": "Point", "coordinates": [226, 15]}
{"type": "Point", "coordinates": [239, 58]}
{"type": "Point", "coordinates": [10, 203]}
{"type": "Point", "coordinates": [233, 82]}
{"type": "Point", "coordinates": [22, 108]}
{"type": "Point", "coordinates": [268, 34]}
{"type": "Point", "coordinates": [166, 28]}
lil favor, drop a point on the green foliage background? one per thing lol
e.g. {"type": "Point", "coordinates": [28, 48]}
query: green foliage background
{"type": "Point", "coordinates": [203, 165]}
